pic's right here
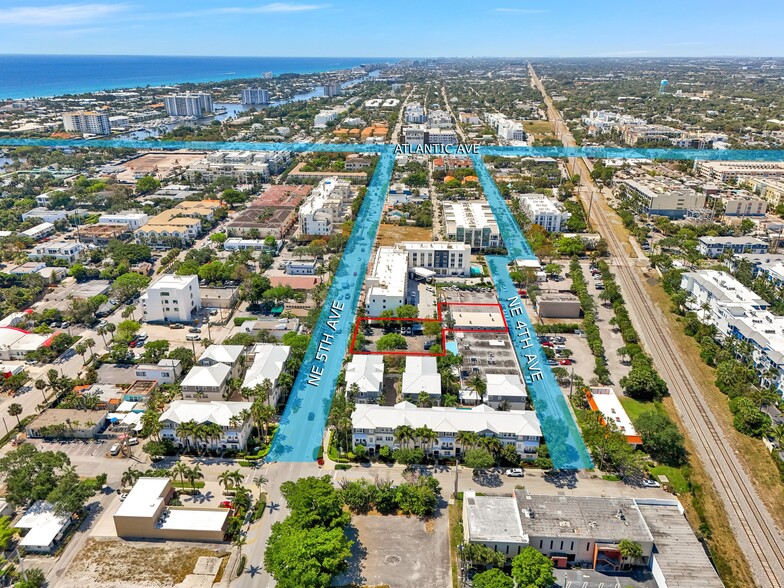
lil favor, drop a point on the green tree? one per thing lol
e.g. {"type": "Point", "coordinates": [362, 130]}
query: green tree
{"type": "Point", "coordinates": [391, 341]}
{"type": "Point", "coordinates": [147, 184]}
{"type": "Point", "coordinates": [30, 474]}
{"type": "Point", "coordinates": [15, 410]}
{"type": "Point", "coordinates": [748, 418]}
{"type": "Point", "coordinates": [359, 495]}
{"type": "Point", "coordinates": [643, 383]}
{"type": "Point", "coordinates": [661, 438]}
{"type": "Point", "coordinates": [482, 556]}
{"type": "Point", "coordinates": [35, 578]}
{"type": "Point", "coordinates": [494, 578]}
{"type": "Point", "coordinates": [408, 455]}
{"type": "Point", "coordinates": [129, 285]}
{"type": "Point", "coordinates": [299, 556]}
{"type": "Point", "coordinates": [631, 550]}
{"type": "Point", "coordinates": [314, 501]}
{"type": "Point", "coordinates": [154, 351]}
{"type": "Point", "coordinates": [532, 569]}
{"type": "Point", "coordinates": [478, 459]}
{"type": "Point", "coordinates": [6, 532]}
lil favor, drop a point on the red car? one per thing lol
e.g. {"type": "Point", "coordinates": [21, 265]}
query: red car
{"type": "Point", "coordinates": [522, 293]}
{"type": "Point", "coordinates": [564, 362]}
{"type": "Point", "coordinates": [132, 343]}
{"type": "Point", "coordinates": [225, 504]}
{"type": "Point", "coordinates": [547, 344]}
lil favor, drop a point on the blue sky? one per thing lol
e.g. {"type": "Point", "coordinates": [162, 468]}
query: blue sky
{"type": "Point", "coordinates": [394, 28]}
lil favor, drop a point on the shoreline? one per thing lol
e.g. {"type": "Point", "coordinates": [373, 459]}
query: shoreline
{"type": "Point", "coordinates": [109, 86]}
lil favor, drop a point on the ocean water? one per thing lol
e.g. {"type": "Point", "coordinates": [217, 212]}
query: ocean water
{"type": "Point", "coordinates": [27, 76]}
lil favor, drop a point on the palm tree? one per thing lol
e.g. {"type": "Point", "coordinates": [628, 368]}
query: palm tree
{"type": "Point", "coordinates": [492, 444]}
{"type": "Point", "coordinates": [194, 474]}
{"type": "Point", "coordinates": [426, 436]}
{"type": "Point", "coordinates": [182, 470]}
{"type": "Point", "coordinates": [185, 431]}
{"type": "Point", "coordinates": [478, 383]}
{"type": "Point", "coordinates": [236, 478]}
{"type": "Point", "coordinates": [467, 439]}
{"type": "Point", "coordinates": [130, 476]}
{"type": "Point", "coordinates": [90, 343]}
{"type": "Point", "coordinates": [15, 410]}
{"type": "Point", "coordinates": [404, 435]}
{"type": "Point", "coordinates": [102, 332]}
{"type": "Point", "coordinates": [41, 385]}
{"type": "Point", "coordinates": [239, 541]}
{"type": "Point", "coordinates": [81, 349]}
{"type": "Point", "coordinates": [111, 328]}
{"type": "Point", "coordinates": [262, 414]}
{"type": "Point", "coordinates": [225, 479]}
{"type": "Point", "coordinates": [777, 433]}
{"type": "Point", "coordinates": [260, 480]}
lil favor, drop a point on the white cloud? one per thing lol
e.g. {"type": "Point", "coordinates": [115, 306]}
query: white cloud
{"type": "Point", "coordinates": [522, 10]}
{"type": "Point", "coordinates": [64, 14]}
{"type": "Point", "coordinates": [275, 7]}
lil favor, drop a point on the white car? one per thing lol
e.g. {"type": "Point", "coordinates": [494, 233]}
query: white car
{"type": "Point", "coordinates": [650, 483]}
{"type": "Point", "coordinates": [123, 496]}
{"type": "Point", "coordinates": [515, 473]}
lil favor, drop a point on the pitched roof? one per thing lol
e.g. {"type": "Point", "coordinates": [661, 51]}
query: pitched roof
{"type": "Point", "coordinates": [505, 385]}
{"type": "Point", "coordinates": [207, 375]}
{"type": "Point", "coordinates": [482, 419]}
{"type": "Point", "coordinates": [228, 354]}
{"type": "Point", "coordinates": [267, 364]}
{"type": "Point", "coordinates": [215, 411]}
{"type": "Point", "coordinates": [421, 375]}
{"type": "Point", "coordinates": [366, 371]}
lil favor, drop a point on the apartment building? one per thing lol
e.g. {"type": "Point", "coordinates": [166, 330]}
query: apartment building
{"type": "Point", "coordinates": [725, 171]}
{"type": "Point", "coordinates": [633, 134]}
{"type": "Point", "coordinates": [326, 208]}
{"type": "Point", "coordinates": [255, 96]}
{"type": "Point", "coordinates": [87, 122]}
{"type": "Point", "coordinates": [166, 371]}
{"type": "Point", "coordinates": [441, 257]}
{"type": "Point", "coordinates": [63, 250]}
{"type": "Point", "coordinates": [421, 375]}
{"type": "Point", "coordinates": [182, 223]}
{"type": "Point", "coordinates": [331, 89]}
{"type": "Point", "coordinates": [39, 231]}
{"type": "Point", "coordinates": [506, 390]}
{"type": "Point", "coordinates": [414, 114]}
{"type": "Point", "coordinates": [661, 196]}
{"type": "Point", "coordinates": [737, 312]}
{"type": "Point", "coordinates": [387, 284]}
{"type": "Point", "coordinates": [206, 382]}
{"type": "Point", "coordinates": [737, 203]}
{"type": "Point", "coordinates": [771, 189]}
{"type": "Point", "coordinates": [604, 121]}
{"type": "Point", "coordinates": [194, 104]}
{"type": "Point", "coordinates": [172, 299]}
{"type": "Point", "coordinates": [324, 117]}
{"type": "Point", "coordinates": [715, 247]}
{"type": "Point", "coordinates": [247, 167]}
{"type": "Point", "coordinates": [543, 211]}
{"type": "Point", "coordinates": [134, 220]}
{"type": "Point", "coordinates": [268, 362]}
{"type": "Point", "coordinates": [374, 427]}
{"type": "Point", "coordinates": [230, 355]}
{"type": "Point", "coordinates": [471, 222]}
{"type": "Point", "coordinates": [232, 417]}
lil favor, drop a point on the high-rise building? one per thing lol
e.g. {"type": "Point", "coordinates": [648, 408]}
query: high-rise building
{"type": "Point", "coordinates": [255, 96]}
{"type": "Point", "coordinates": [332, 89]}
{"type": "Point", "coordinates": [197, 104]}
{"type": "Point", "coordinates": [94, 123]}
{"type": "Point", "coordinates": [267, 75]}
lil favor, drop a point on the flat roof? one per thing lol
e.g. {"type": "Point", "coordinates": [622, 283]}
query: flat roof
{"type": "Point", "coordinates": [679, 554]}
{"type": "Point", "coordinates": [144, 499]}
{"type": "Point", "coordinates": [43, 524]}
{"type": "Point", "coordinates": [495, 518]}
{"type": "Point", "coordinates": [193, 519]}
{"type": "Point", "coordinates": [606, 402]}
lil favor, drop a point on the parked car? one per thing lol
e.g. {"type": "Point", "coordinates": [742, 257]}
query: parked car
{"type": "Point", "coordinates": [176, 326]}
{"type": "Point", "coordinates": [132, 343]}
{"type": "Point", "coordinates": [123, 496]}
{"type": "Point", "coordinates": [115, 449]}
{"type": "Point", "coordinates": [564, 362]}
{"type": "Point", "coordinates": [552, 362]}
{"type": "Point", "coordinates": [650, 483]}
{"type": "Point", "coordinates": [133, 441]}
{"type": "Point", "coordinates": [225, 504]}
{"type": "Point", "coordinates": [547, 344]}
{"type": "Point", "coordinates": [192, 337]}
{"type": "Point", "coordinates": [194, 330]}
{"type": "Point", "coordinates": [515, 473]}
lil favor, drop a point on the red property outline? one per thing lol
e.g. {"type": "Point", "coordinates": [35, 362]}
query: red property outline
{"type": "Point", "coordinates": [440, 319]}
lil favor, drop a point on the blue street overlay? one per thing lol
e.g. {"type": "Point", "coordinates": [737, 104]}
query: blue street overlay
{"type": "Point", "coordinates": [567, 449]}
{"type": "Point", "coordinates": [590, 152]}
{"type": "Point", "coordinates": [301, 429]}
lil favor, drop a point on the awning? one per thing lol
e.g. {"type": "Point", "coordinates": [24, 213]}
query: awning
{"type": "Point", "coordinates": [423, 272]}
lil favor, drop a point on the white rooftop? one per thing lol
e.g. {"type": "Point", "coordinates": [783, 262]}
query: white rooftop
{"type": "Point", "coordinates": [43, 524]}
{"type": "Point", "coordinates": [268, 364]}
{"type": "Point", "coordinates": [207, 375]}
{"type": "Point", "coordinates": [173, 282]}
{"type": "Point", "coordinates": [421, 375]}
{"type": "Point", "coordinates": [228, 354]}
{"type": "Point", "coordinates": [390, 270]}
{"type": "Point", "coordinates": [611, 408]}
{"type": "Point", "coordinates": [366, 371]}
{"type": "Point", "coordinates": [194, 519]}
{"type": "Point", "coordinates": [505, 385]}
{"type": "Point", "coordinates": [145, 498]}
{"type": "Point", "coordinates": [215, 411]}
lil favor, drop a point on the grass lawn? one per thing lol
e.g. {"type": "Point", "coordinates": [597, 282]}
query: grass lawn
{"type": "Point", "coordinates": [455, 537]}
{"type": "Point", "coordinates": [538, 127]}
{"type": "Point", "coordinates": [675, 475]}
{"type": "Point", "coordinates": [634, 408]}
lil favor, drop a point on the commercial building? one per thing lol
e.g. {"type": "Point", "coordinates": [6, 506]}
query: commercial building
{"type": "Point", "coordinates": [743, 205]}
{"type": "Point", "coordinates": [146, 513]}
{"type": "Point", "coordinates": [714, 247]}
{"type": "Point", "coordinates": [326, 208]}
{"type": "Point", "coordinates": [367, 373]}
{"type": "Point", "coordinates": [45, 215]}
{"type": "Point", "coordinates": [543, 211]}
{"type": "Point", "coordinates": [255, 96]}
{"type": "Point", "coordinates": [374, 427]}
{"type": "Point", "coordinates": [39, 231]}
{"type": "Point", "coordinates": [262, 221]}
{"type": "Point", "coordinates": [421, 375]}
{"type": "Point", "coordinates": [471, 222]}
{"type": "Point", "coordinates": [172, 299]}
{"type": "Point", "coordinates": [725, 171]}
{"type": "Point", "coordinates": [91, 123]}
{"type": "Point", "coordinates": [183, 223]}
{"type": "Point", "coordinates": [67, 422]}
{"type": "Point", "coordinates": [562, 305]}
{"type": "Point", "coordinates": [101, 234]}
{"type": "Point", "coordinates": [247, 167]}
{"type": "Point", "coordinates": [301, 267]}
{"type": "Point", "coordinates": [587, 531]}
{"type": "Point", "coordinates": [386, 286]}
{"type": "Point", "coordinates": [231, 417]}
{"type": "Point", "coordinates": [604, 400]}
{"type": "Point", "coordinates": [189, 104]}
{"type": "Point", "coordinates": [283, 195]}
{"type": "Point", "coordinates": [661, 196]}
{"type": "Point", "coordinates": [206, 382]}
{"type": "Point", "coordinates": [69, 251]}
{"type": "Point", "coordinates": [355, 177]}
{"type": "Point", "coordinates": [41, 528]}
{"type": "Point", "coordinates": [633, 134]}
{"type": "Point", "coordinates": [132, 219]}
{"type": "Point", "coordinates": [268, 363]}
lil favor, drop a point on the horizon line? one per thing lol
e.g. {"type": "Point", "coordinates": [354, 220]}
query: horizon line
{"type": "Point", "coordinates": [472, 57]}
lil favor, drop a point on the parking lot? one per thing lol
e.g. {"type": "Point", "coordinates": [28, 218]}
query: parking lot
{"type": "Point", "coordinates": [487, 353]}
{"type": "Point", "coordinates": [593, 579]}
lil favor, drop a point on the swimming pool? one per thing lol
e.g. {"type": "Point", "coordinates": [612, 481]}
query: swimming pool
{"type": "Point", "coordinates": [452, 346]}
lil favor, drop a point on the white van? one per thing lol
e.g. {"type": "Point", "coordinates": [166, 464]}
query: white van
{"type": "Point", "coordinates": [115, 449]}
{"type": "Point", "coordinates": [193, 337]}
